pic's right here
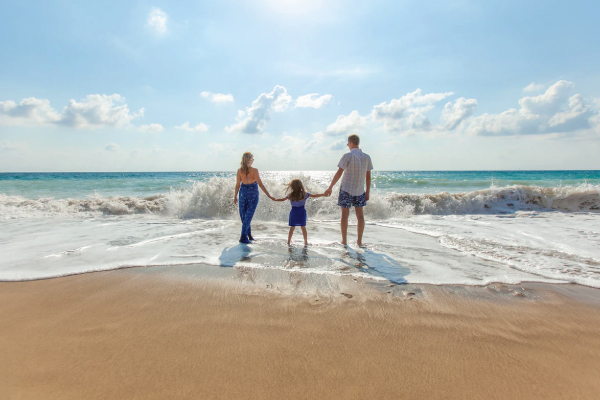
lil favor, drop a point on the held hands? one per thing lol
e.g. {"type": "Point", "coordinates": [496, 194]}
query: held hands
{"type": "Point", "coordinates": [327, 192]}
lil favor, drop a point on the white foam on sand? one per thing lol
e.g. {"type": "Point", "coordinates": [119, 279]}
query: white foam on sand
{"type": "Point", "coordinates": [451, 249]}
{"type": "Point", "coordinates": [501, 234]}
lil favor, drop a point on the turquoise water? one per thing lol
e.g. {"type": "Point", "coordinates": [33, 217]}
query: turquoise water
{"type": "Point", "coordinates": [144, 184]}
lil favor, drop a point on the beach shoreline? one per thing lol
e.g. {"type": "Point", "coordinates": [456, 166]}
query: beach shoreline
{"type": "Point", "coordinates": [165, 333]}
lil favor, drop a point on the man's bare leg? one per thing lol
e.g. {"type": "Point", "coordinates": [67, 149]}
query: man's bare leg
{"type": "Point", "coordinates": [344, 224]}
{"type": "Point", "coordinates": [360, 227]}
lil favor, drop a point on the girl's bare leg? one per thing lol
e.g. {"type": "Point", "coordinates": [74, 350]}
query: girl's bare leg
{"type": "Point", "coordinates": [290, 234]}
{"type": "Point", "coordinates": [305, 234]}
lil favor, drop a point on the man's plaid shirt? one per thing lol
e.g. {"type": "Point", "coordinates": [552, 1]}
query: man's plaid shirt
{"type": "Point", "coordinates": [355, 165]}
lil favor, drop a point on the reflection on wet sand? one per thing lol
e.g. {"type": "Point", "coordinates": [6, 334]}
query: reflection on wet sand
{"type": "Point", "coordinates": [338, 259]}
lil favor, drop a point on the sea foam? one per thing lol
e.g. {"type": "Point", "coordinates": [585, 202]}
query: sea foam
{"type": "Point", "coordinates": [213, 199]}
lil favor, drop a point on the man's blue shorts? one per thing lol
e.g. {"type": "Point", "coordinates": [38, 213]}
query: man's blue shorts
{"type": "Point", "coordinates": [346, 200]}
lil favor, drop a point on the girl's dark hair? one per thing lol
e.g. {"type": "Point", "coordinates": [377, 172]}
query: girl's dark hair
{"type": "Point", "coordinates": [295, 190]}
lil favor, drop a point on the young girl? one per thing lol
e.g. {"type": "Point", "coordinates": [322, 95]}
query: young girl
{"type": "Point", "coordinates": [297, 196]}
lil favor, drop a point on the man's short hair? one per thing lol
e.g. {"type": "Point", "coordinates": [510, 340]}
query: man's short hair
{"type": "Point", "coordinates": [354, 139]}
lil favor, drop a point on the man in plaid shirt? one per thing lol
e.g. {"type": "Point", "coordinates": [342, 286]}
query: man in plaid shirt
{"type": "Point", "coordinates": [355, 167]}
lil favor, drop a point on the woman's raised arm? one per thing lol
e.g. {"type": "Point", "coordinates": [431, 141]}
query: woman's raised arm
{"type": "Point", "coordinates": [260, 184]}
{"type": "Point", "coordinates": [238, 180]}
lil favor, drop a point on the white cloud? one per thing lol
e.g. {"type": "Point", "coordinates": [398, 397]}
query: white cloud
{"type": "Point", "coordinates": [112, 147]}
{"type": "Point", "coordinates": [151, 128]}
{"type": "Point", "coordinates": [408, 112]}
{"type": "Point", "coordinates": [551, 112]}
{"type": "Point", "coordinates": [157, 20]}
{"type": "Point", "coordinates": [201, 127]}
{"type": "Point", "coordinates": [547, 103]}
{"type": "Point", "coordinates": [29, 112]}
{"type": "Point", "coordinates": [313, 100]}
{"type": "Point", "coordinates": [533, 87]}
{"type": "Point", "coordinates": [454, 114]}
{"type": "Point", "coordinates": [575, 117]}
{"type": "Point", "coordinates": [96, 110]}
{"type": "Point", "coordinates": [217, 98]}
{"type": "Point", "coordinates": [505, 123]}
{"type": "Point", "coordinates": [254, 119]}
{"type": "Point", "coordinates": [349, 124]}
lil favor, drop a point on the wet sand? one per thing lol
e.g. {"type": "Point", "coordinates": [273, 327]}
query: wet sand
{"type": "Point", "coordinates": [131, 334]}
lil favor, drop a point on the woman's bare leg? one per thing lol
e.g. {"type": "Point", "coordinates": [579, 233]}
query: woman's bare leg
{"type": "Point", "coordinates": [305, 234]}
{"type": "Point", "coordinates": [290, 234]}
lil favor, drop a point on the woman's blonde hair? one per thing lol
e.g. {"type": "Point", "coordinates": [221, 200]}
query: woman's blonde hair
{"type": "Point", "coordinates": [244, 165]}
{"type": "Point", "coordinates": [295, 190]}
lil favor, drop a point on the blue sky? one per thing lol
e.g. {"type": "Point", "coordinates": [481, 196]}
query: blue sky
{"type": "Point", "coordinates": [191, 85]}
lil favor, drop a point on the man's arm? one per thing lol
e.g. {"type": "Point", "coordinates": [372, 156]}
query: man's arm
{"type": "Point", "coordinates": [368, 185]}
{"type": "Point", "coordinates": [336, 178]}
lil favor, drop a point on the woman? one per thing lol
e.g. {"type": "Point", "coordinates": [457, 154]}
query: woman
{"type": "Point", "coordinates": [247, 183]}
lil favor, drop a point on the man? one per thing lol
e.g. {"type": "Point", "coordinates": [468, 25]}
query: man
{"type": "Point", "coordinates": [356, 168]}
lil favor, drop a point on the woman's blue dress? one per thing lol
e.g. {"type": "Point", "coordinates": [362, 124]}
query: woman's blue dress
{"type": "Point", "coordinates": [248, 202]}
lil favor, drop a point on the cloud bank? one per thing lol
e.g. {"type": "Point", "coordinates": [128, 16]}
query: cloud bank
{"type": "Point", "coordinates": [554, 111]}
{"type": "Point", "coordinates": [96, 110]}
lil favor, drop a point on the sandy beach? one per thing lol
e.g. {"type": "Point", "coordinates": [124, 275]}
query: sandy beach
{"type": "Point", "coordinates": [133, 334]}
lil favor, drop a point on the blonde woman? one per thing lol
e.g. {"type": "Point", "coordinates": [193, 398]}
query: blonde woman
{"type": "Point", "coordinates": [247, 183]}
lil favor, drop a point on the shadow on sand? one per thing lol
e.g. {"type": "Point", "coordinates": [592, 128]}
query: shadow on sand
{"type": "Point", "coordinates": [232, 255]}
{"type": "Point", "coordinates": [376, 264]}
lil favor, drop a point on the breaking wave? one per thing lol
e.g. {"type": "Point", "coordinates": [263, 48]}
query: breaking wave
{"type": "Point", "coordinates": [213, 199]}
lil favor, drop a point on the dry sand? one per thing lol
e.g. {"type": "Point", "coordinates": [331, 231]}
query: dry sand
{"type": "Point", "coordinates": [125, 334]}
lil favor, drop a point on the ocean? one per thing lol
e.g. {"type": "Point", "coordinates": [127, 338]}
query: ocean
{"type": "Point", "coordinates": [445, 227]}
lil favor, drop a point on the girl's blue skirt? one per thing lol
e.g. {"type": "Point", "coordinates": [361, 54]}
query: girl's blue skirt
{"type": "Point", "coordinates": [298, 216]}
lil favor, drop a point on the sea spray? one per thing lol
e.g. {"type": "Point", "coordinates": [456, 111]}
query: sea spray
{"type": "Point", "coordinates": [213, 199]}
